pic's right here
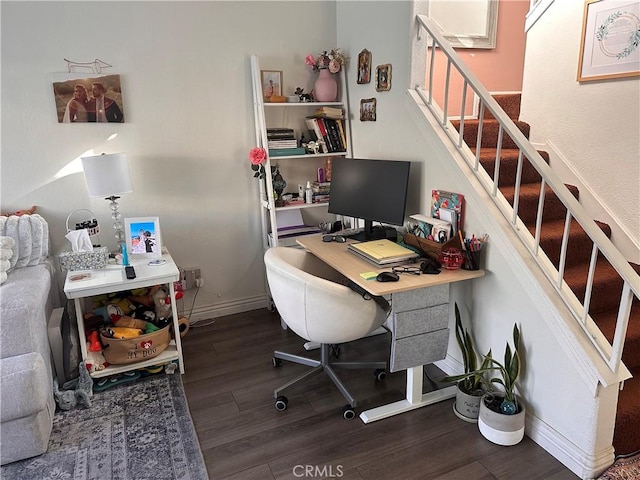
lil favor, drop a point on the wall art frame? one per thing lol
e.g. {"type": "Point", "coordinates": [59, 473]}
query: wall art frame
{"type": "Point", "coordinates": [271, 83]}
{"type": "Point", "coordinates": [364, 67]}
{"type": "Point", "coordinates": [610, 44]}
{"type": "Point", "coordinates": [142, 237]}
{"type": "Point", "coordinates": [383, 77]}
{"type": "Point", "coordinates": [368, 110]}
{"type": "Point", "coordinates": [75, 97]}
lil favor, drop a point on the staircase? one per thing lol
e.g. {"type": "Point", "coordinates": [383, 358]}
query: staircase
{"type": "Point", "coordinates": [607, 285]}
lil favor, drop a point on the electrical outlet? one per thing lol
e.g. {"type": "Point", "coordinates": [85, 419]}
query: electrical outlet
{"type": "Point", "coordinates": [192, 277]}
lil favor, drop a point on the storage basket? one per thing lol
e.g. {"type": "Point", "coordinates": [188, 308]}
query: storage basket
{"type": "Point", "coordinates": [138, 349]}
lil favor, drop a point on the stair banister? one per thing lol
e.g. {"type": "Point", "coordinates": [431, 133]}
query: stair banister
{"type": "Point", "coordinates": [601, 243]}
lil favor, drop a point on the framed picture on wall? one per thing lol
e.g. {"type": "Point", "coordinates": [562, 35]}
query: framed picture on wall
{"type": "Point", "coordinates": [271, 83]}
{"type": "Point", "coordinates": [142, 236]}
{"type": "Point", "coordinates": [87, 98]}
{"type": "Point", "coordinates": [364, 66]}
{"type": "Point", "coordinates": [610, 46]}
{"type": "Point", "coordinates": [368, 110]}
{"type": "Point", "coordinates": [383, 77]}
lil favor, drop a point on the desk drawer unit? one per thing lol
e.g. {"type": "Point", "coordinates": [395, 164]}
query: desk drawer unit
{"type": "Point", "coordinates": [419, 325]}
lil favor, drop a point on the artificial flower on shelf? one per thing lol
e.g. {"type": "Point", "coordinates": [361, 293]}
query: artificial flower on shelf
{"type": "Point", "coordinates": [333, 61]}
{"type": "Point", "coordinates": [257, 156]}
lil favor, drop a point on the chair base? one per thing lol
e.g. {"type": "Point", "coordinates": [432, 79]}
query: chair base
{"type": "Point", "coordinates": [326, 366]}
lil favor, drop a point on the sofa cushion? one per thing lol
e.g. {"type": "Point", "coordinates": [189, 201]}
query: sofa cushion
{"type": "Point", "coordinates": [24, 386]}
{"type": "Point", "coordinates": [25, 304]}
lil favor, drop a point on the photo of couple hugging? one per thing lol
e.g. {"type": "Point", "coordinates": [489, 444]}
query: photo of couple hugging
{"type": "Point", "coordinates": [94, 106]}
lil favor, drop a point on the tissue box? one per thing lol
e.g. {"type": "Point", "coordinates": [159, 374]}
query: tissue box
{"type": "Point", "coordinates": [84, 260]}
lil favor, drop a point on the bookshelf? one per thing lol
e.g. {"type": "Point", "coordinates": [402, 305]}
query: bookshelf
{"type": "Point", "coordinates": [296, 169]}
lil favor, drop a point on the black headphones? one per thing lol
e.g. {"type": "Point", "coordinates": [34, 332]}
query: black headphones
{"type": "Point", "coordinates": [430, 265]}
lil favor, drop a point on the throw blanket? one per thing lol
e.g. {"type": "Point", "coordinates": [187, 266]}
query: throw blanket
{"type": "Point", "coordinates": [30, 234]}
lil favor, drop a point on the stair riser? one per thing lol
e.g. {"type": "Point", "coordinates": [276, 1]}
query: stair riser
{"type": "Point", "coordinates": [508, 170]}
{"type": "Point", "coordinates": [490, 135]}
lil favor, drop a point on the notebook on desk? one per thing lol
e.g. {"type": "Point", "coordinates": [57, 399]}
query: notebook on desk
{"type": "Point", "coordinates": [383, 252]}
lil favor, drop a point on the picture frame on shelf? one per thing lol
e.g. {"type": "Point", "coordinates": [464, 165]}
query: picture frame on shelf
{"type": "Point", "coordinates": [368, 110]}
{"type": "Point", "coordinates": [142, 237]}
{"type": "Point", "coordinates": [364, 67]}
{"type": "Point", "coordinates": [383, 77]}
{"type": "Point", "coordinates": [609, 47]}
{"type": "Point", "coordinates": [271, 83]}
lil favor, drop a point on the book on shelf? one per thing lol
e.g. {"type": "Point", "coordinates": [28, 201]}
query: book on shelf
{"type": "Point", "coordinates": [330, 112]}
{"type": "Point", "coordinates": [280, 133]}
{"type": "Point", "coordinates": [293, 143]}
{"type": "Point", "coordinates": [343, 136]}
{"type": "Point", "coordinates": [321, 187]}
{"type": "Point", "coordinates": [334, 133]}
{"type": "Point", "coordinates": [314, 131]}
{"type": "Point", "coordinates": [283, 152]}
{"type": "Point", "coordinates": [448, 200]}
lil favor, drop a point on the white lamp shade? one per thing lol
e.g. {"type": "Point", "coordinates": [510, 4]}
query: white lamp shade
{"type": "Point", "coordinates": [107, 174]}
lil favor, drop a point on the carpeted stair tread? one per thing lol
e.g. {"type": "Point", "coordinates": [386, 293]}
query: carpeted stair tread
{"type": "Point", "coordinates": [626, 437]}
{"type": "Point", "coordinates": [490, 130]}
{"type": "Point", "coordinates": [510, 103]}
{"type": "Point", "coordinates": [509, 165]}
{"type": "Point", "coordinates": [606, 321]}
{"type": "Point", "coordinates": [579, 244]}
{"type": "Point", "coordinates": [528, 203]}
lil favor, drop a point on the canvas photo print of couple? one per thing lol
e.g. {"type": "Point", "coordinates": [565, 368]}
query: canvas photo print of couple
{"type": "Point", "coordinates": [96, 99]}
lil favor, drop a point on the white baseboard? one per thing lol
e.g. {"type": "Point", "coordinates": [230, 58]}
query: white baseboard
{"type": "Point", "coordinates": [222, 309]}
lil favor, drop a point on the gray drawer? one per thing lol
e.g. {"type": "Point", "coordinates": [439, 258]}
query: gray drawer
{"type": "Point", "coordinates": [414, 322]}
{"type": "Point", "coordinates": [421, 298]}
{"type": "Point", "coordinates": [419, 350]}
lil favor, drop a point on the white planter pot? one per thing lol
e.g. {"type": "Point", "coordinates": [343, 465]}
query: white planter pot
{"type": "Point", "coordinates": [467, 407]}
{"type": "Point", "coordinates": [499, 428]}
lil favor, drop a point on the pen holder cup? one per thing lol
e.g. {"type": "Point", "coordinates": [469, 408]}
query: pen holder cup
{"type": "Point", "coordinates": [471, 260]}
{"type": "Point", "coordinates": [451, 258]}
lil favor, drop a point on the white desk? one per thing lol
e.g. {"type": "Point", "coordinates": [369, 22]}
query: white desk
{"type": "Point", "coordinates": [112, 279]}
{"type": "Point", "coordinates": [350, 265]}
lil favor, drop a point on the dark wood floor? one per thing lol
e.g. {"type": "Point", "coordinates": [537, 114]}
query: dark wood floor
{"type": "Point", "coordinates": [229, 382]}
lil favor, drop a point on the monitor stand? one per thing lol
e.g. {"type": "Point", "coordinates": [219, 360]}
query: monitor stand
{"type": "Point", "coordinates": [375, 233]}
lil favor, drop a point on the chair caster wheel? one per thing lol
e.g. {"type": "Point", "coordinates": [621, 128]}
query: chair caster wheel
{"type": "Point", "coordinates": [276, 362]}
{"type": "Point", "coordinates": [348, 412]}
{"type": "Point", "coordinates": [281, 403]}
{"type": "Point", "coordinates": [380, 374]}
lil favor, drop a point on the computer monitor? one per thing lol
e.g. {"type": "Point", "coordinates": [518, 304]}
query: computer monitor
{"type": "Point", "coordinates": [372, 190]}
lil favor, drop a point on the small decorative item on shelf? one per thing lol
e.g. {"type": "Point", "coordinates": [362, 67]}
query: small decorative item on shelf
{"type": "Point", "coordinates": [257, 156]}
{"type": "Point", "coordinates": [451, 258]}
{"type": "Point", "coordinates": [279, 185]}
{"type": "Point", "coordinates": [327, 63]}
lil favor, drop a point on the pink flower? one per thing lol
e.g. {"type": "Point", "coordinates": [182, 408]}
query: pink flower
{"type": "Point", "coordinates": [257, 155]}
{"type": "Point", "coordinates": [310, 60]}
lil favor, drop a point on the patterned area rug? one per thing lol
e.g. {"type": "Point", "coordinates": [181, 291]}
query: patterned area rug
{"type": "Point", "coordinates": [134, 431]}
{"type": "Point", "coordinates": [624, 468]}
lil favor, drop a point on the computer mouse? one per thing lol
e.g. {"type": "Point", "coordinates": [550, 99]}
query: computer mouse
{"type": "Point", "coordinates": [387, 277]}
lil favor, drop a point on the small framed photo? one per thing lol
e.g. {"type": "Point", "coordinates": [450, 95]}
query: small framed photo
{"type": "Point", "coordinates": [364, 66]}
{"type": "Point", "coordinates": [271, 83]}
{"type": "Point", "coordinates": [383, 77]}
{"type": "Point", "coordinates": [142, 235]}
{"type": "Point", "coordinates": [368, 110]}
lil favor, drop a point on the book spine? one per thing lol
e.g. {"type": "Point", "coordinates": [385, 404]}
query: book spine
{"type": "Point", "coordinates": [312, 125]}
{"type": "Point", "coordinates": [325, 135]}
{"type": "Point", "coordinates": [343, 136]}
{"type": "Point", "coordinates": [335, 135]}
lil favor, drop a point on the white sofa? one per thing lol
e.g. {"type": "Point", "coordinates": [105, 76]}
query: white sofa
{"type": "Point", "coordinates": [27, 298]}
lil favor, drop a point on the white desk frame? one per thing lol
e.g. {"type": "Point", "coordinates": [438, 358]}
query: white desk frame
{"type": "Point", "coordinates": [112, 279]}
{"type": "Point", "coordinates": [337, 256]}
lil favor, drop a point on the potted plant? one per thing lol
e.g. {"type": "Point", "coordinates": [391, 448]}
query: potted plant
{"type": "Point", "coordinates": [472, 384]}
{"type": "Point", "coordinates": [502, 414]}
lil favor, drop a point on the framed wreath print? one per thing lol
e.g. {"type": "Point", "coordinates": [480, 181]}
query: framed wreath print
{"type": "Point", "coordinates": [271, 83]}
{"type": "Point", "coordinates": [364, 67]}
{"type": "Point", "coordinates": [142, 236]}
{"type": "Point", "coordinates": [368, 110]}
{"type": "Point", "coordinates": [383, 78]}
{"type": "Point", "coordinates": [610, 46]}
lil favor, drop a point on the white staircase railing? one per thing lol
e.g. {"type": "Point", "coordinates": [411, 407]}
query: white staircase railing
{"type": "Point", "coordinates": [610, 352]}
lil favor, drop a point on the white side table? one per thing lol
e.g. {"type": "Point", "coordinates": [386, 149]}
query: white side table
{"type": "Point", "coordinates": [112, 279]}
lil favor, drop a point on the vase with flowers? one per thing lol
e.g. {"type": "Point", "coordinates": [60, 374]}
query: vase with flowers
{"type": "Point", "coordinates": [257, 157]}
{"type": "Point", "coordinates": [327, 64]}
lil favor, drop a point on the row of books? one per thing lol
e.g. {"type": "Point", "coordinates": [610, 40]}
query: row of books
{"type": "Point", "coordinates": [330, 130]}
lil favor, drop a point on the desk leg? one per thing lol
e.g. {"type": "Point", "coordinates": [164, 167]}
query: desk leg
{"type": "Point", "coordinates": [176, 326]}
{"type": "Point", "coordinates": [82, 336]}
{"type": "Point", "coordinates": [414, 398]}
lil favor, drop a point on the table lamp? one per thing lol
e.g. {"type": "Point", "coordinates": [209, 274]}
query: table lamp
{"type": "Point", "coordinates": [108, 176]}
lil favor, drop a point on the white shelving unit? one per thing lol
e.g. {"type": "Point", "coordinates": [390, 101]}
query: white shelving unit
{"type": "Point", "coordinates": [294, 115]}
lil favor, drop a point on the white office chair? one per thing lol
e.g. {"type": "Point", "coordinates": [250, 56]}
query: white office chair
{"type": "Point", "coordinates": [314, 301]}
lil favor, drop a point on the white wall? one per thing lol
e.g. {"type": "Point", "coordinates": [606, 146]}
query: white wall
{"type": "Point", "coordinates": [185, 74]}
{"type": "Point", "coordinates": [591, 127]}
